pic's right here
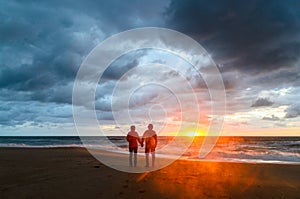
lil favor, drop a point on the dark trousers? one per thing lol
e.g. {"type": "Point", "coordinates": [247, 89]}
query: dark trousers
{"type": "Point", "coordinates": [131, 150]}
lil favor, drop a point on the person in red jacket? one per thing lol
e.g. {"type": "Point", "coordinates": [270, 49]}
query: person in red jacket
{"type": "Point", "coordinates": [150, 138]}
{"type": "Point", "coordinates": [133, 139]}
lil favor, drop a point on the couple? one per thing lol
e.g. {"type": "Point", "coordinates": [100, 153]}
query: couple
{"type": "Point", "coordinates": [150, 139]}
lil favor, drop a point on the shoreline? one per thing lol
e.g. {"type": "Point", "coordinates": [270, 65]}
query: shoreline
{"type": "Point", "coordinates": [185, 158]}
{"type": "Point", "coordinates": [74, 173]}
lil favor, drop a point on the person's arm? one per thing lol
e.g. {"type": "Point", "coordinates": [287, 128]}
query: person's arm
{"type": "Point", "coordinates": [143, 138]}
{"type": "Point", "coordinates": [155, 137]}
{"type": "Point", "coordinates": [141, 142]}
{"type": "Point", "coordinates": [128, 138]}
{"type": "Point", "coordinates": [139, 139]}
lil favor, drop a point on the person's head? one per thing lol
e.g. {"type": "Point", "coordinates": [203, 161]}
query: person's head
{"type": "Point", "coordinates": [132, 128]}
{"type": "Point", "coordinates": [150, 126]}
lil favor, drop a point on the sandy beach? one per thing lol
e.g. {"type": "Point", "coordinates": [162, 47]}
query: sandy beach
{"type": "Point", "coordinates": [74, 173]}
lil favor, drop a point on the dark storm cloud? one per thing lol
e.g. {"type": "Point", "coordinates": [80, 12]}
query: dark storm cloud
{"type": "Point", "coordinates": [20, 112]}
{"type": "Point", "coordinates": [293, 111]}
{"type": "Point", "coordinates": [116, 73]}
{"type": "Point", "coordinates": [116, 70]}
{"type": "Point", "coordinates": [26, 77]}
{"type": "Point", "coordinates": [44, 42]}
{"type": "Point", "coordinates": [278, 78]}
{"type": "Point", "coordinates": [262, 102]}
{"type": "Point", "coordinates": [37, 47]}
{"type": "Point", "coordinates": [252, 36]}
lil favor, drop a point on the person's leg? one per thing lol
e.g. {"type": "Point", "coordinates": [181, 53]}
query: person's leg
{"type": "Point", "coordinates": [147, 157]}
{"type": "Point", "coordinates": [135, 156]}
{"type": "Point", "coordinates": [130, 156]}
{"type": "Point", "coordinates": [153, 157]}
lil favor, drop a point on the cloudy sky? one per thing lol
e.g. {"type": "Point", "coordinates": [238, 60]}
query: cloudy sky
{"type": "Point", "coordinates": [255, 44]}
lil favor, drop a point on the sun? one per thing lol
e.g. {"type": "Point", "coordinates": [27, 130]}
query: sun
{"type": "Point", "coordinates": [193, 132]}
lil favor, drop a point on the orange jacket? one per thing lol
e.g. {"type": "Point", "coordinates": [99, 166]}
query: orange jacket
{"type": "Point", "coordinates": [149, 136]}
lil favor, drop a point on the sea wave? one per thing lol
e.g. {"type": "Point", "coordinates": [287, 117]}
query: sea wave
{"type": "Point", "coordinates": [237, 149]}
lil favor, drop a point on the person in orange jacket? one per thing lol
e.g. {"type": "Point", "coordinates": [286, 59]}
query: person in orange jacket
{"type": "Point", "coordinates": [133, 139]}
{"type": "Point", "coordinates": [150, 139]}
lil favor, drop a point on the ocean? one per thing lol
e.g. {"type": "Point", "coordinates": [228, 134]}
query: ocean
{"type": "Point", "coordinates": [281, 150]}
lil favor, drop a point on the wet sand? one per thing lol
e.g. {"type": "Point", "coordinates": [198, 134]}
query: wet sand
{"type": "Point", "coordinates": [74, 173]}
